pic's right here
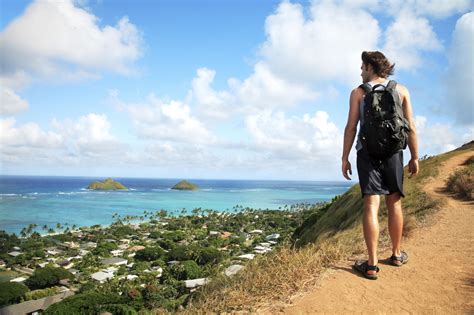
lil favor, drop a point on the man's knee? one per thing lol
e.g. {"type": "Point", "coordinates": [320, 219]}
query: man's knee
{"type": "Point", "coordinates": [393, 199]}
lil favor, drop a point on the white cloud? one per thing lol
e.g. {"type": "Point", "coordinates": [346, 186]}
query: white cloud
{"type": "Point", "coordinates": [11, 103]}
{"type": "Point", "coordinates": [313, 138]}
{"type": "Point", "coordinates": [88, 135]}
{"type": "Point", "coordinates": [212, 104]}
{"type": "Point", "coordinates": [173, 121]}
{"type": "Point", "coordinates": [26, 135]}
{"type": "Point", "coordinates": [261, 90]}
{"type": "Point", "coordinates": [460, 75]}
{"type": "Point", "coordinates": [58, 40]}
{"type": "Point", "coordinates": [435, 138]}
{"type": "Point", "coordinates": [431, 8]}
{"type": "Point", "coordinates": [85, 140]}
{"type": "Point", "coordinates": [324, 46]}
{"type": "Point", "coordinates": [407, 37]}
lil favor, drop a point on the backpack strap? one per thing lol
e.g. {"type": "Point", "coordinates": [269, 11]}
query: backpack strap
{"type": "Point", "coordinates": [366, 87]}
{"type": "Point", "coordinates": [392, 84]}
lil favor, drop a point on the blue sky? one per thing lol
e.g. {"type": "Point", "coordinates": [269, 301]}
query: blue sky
{"type": "Point", "coordinates": [213, 89]}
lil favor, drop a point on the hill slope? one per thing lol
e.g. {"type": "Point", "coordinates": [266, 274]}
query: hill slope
{"type": "Point", "coordinates": [437, 279]}
{"type": "Point", "coordinates": [330, 239]}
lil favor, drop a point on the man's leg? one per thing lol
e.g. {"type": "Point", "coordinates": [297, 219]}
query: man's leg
{"type": "Point", "coordinates": [371, 227]}
{"type": "Point", "coordinates": [395, 221]}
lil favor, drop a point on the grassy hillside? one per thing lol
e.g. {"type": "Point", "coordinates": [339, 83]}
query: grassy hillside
{"type": "Point", "coordinates": [330, 234]}
{"type": "Point", "coordinates": [345, 213]}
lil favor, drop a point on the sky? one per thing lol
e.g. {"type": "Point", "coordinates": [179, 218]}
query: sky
{"type": "Point", "coordinates": [219, 89]}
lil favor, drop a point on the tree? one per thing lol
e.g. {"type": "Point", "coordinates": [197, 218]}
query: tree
{"type": "Point", "coordinates": [150, 253]}
{"type": "Point", "coordinates": [188, 269]}
{"type": "Point", "coordinates": [11, 292]}
{"type": "Point", "coordinates": [47, 277]}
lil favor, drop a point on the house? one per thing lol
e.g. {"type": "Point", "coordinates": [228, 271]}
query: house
{"type": "Point", "coordinates": [19, 279]}
{"type": "Point", "coordinates": [114, 261]}
{"type": "Point", "coordinates": [256, 232]}
{"type": "Point", "coordinates": [102, 276]}
{"type": "Point", "coordinates": [66, 264]}
{"type": "Point", "coordinates": [15, 253]}
{"type": "Point", "coordinates": [117, 252]}
{"type": "Point", "coordinates": [88, 245]}
{"type": "Point", "coordinates": [2, 264]}
{"type": "Point", "coordinates": [272, 237]}
{"type": "Point", "coordinates": [196, 282]}
{"type": "Point", "coordinates": [53, 251]}
{"type": "Point", "coordinates": [16, 248]}
{"type": "Point", "coordinates": [233, 269]}
{"type": "Point", "coordinates": [136, 248]}
{"type": "Point", "coordinates": [247, 256]}
{"type": "Point", "coordinates": [225, 234]}
{"type": "Point", "coordinates": [34, 306]}
{"type": "Point", "coordinates": [128, 277]}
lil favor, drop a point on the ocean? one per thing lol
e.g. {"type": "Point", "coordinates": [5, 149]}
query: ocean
{"type": "Point", "coordinates": [48, 200]}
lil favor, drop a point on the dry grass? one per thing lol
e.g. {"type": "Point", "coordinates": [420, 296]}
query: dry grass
{"type": "Point", "coordinates": [461, 182]}
{"type": "Point", "coordinates": [269, 282]}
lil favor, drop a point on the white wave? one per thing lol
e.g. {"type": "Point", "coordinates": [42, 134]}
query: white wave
{"type": "Point", "coordinates": [10, 195]}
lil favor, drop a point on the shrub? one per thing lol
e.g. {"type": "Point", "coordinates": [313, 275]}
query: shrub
{"type": "Point", "coordinates": [179, 253]}
{"type": "Point", "coordinates": [47, 277]}
{"type": "Point", "coordinates": [461, 182]}
{"type": "Point", "coordinates": [11, 292]}
{"type": "Point", "coordinates": [188, 269]}
{"type": "Point", "coordinates": [90, 302]}
{"type": "Point", "coordinates": [150, 253]}
{"type": "Point", "coordinates": [209, 255]}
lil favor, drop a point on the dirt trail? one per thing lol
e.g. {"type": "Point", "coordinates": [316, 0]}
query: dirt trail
{"type": "Point", "coordinates": [438, 279]}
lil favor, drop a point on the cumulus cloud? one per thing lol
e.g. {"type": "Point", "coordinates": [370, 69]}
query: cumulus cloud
{"type": "Point", "coordinates": [89, 135]}
{"type": "Point", "coordinates": [10, 102]}
{"type": "Point", "coordinates": [311, 137]}
{"type": "Point", "coordinates": [212, 104]}
{"type": "Point", "coordinates": [261, 90]}
{"type": "Point", "coordinates": [159, 120]}
{"type": "Point", "coordinates": [460, 76]}
{"type": "Point", "coordinates": [430, 8]}
{"type": "Point", "coordinates": [311, 48]}
{"type": "Point", "coordinates": [27, 135]}
{"type": "Point", "coordinates": [435, 138]}
{"type": "Point", "coordinates": [85, 140]}
{"type": "Point", "coordinates": [58, 40]}
{"type": "Point", "coordinates": [401, 46]}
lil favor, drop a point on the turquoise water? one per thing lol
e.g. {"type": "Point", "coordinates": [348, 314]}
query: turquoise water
{"type": "Point", "coordinates": [51, 200]}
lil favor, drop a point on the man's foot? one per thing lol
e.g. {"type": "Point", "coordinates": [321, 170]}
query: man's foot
{"type": "Point", "coordinates": [399, 260]}
{"type": "Point", "coordinates": [369, 271]}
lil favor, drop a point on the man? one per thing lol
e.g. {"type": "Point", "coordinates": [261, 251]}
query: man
{"type": "Point", "coordinates": [385, 177]}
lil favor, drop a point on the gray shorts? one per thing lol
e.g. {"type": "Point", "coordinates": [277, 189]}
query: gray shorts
{"type": "Point", "coordinates": [380, 177]}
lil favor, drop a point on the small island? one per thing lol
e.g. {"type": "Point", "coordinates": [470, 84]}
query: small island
{"type": "Point", "coordinates": [108, 184]}
{"type": "Point", "coordinates": [185, 185]}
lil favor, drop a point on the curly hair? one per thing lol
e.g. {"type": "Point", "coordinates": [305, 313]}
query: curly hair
{"type": "Point", "coordinates": [379, 63]}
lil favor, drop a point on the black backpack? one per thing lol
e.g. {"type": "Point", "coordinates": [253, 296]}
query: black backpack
{"type": "Point", "coordinates": [385, 129]}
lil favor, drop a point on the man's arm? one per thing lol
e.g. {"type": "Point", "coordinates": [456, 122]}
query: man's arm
{"type": "Point", "coordinates": [412, 136]}
{"type": "Point", "coordinates": [350, 130]}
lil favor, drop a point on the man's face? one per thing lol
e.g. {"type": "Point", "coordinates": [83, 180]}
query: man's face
{"type": "Point", "coordinates": [365, 73]}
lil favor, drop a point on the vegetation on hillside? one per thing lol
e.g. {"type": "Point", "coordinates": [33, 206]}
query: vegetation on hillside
{"type": "Point", "coordinates": [329, 234]}
{"type": "Point", "coordinates": [461, 182]}
{"type": "Point", "coordinates": [185, 185]}
{"type": "Point", "coordinates": [108, 184]}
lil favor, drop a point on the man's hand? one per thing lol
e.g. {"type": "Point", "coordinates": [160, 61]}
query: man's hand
{"type": "Point", "coordinates": [346, 167]}
{"type": "Point", "coordinates": [413, 167]}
